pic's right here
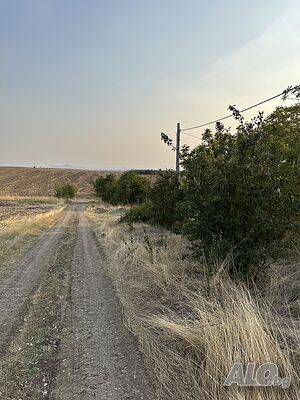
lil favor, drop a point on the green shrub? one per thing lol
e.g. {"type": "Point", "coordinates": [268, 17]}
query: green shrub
{"type": "Point", "coordinates": [105, 187]}
{"type": "Point", "coordinates": [165, 197]}
{"type": "Point", "coordinates": [139, 213]}
{"type": "Point", "coordinates": [130, 188]}
{"type": "Point", "coordinates": [66, 192]}
{"type": "Point", "coordinates": [241, 190]}
{"type": "Point", "coordinates": [162, 208]}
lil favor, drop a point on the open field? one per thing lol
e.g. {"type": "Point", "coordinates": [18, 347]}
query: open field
{"type": "Point", "coordinates": [42, 181]}
{"type": "Point", "coordinates": [12, 208]}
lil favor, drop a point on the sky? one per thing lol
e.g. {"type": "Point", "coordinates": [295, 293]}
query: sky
{"type": "Point", "coordinates": [92, 83]}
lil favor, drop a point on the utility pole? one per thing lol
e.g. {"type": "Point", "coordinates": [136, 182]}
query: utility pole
{"type": "Point", "coordinates": [178, 148]}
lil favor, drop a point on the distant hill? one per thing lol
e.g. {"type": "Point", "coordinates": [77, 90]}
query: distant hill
{"type": "Point", "coordinates": [19, 181]}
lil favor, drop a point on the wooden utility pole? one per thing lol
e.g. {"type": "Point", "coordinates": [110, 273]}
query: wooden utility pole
{"type": "Point", "coordinates": [178, 148]}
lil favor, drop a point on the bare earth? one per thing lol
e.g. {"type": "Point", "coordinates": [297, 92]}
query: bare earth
{"type": "Point", "coordinates": [97, 357]}
{"type": "Point", "coordinates": [10, 209]}
{"type": "Point", "coordinates": [19, 181]}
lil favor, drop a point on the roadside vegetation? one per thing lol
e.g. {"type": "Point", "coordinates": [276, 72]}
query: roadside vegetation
{"type": "Point", "coordinates": [238, 197]}
{"type": "Point", "coordinates": [19, 229]}
{"type": "Point", "coordinates": [192, 326]}
{"type": "Point", "coordinates": [207, 266]}
{"type": "Point", "coordinates": [29, 368]}
{"type": "Point", "coordinates": [129, 188]}
{"type": "Point", "coordinates": [15, 207]}
{"type": "Point", "coordinates": [65, 192]}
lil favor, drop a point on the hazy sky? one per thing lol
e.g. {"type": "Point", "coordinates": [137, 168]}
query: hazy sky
{"type": "Point", "coordinates": [94, 82]}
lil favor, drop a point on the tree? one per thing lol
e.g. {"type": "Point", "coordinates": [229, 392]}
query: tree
{"type": "Point", "coordinates": [105, 187]}
{"type": "Point", "coordinates": [242, 190]}
{"type": "Point", "coordinates": [131, 188]}
{"type": "Point", "coordinates": [66, 192]}
{"type": "Point", "coordinates": [166, 197]}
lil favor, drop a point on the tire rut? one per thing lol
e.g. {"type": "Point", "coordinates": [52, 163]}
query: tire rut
{"type": "Point", "coordinates": [99, 356]}
{"type": "Point", "coordinates": [18, 288]}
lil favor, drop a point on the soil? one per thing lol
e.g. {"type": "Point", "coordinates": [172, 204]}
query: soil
{"type": "Point", "coordinates": [61, 288]}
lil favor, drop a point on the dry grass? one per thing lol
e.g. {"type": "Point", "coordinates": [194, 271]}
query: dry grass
{"type": "Point", "coordinates": [12, 227]}
{"type": "Point", "coordinates": [191, 329]}
{"type": "Point", "coordinates": [31, 199]}
{"type": "Point", "coordinates": [15, 207]}
{"type": "Point", "coordinates": [16, 235]}
{"type": "Point", "coordinates": [29, 368]}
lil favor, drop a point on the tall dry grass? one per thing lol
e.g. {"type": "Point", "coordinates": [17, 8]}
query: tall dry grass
{"type": "Point", "coordinates": [28, 224]}
{"type": "Point", "coordinates": [38, 199]}
{"type": "Point", "coordinates": [16, 235]}
{"type": "Point", "coordinates": [192, 329]}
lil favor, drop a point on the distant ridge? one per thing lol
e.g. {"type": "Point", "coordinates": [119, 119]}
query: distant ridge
{"type": "Point", "coordinates": [84, 168]}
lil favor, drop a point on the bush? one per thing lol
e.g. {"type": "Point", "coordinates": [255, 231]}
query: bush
{"type": "Point", "coordinates": [163, 206]}
{"type": "Point", "coordinates": [105, 187]}
{"type": "Point", "coordinates": [241, 190]}
{"type": "Point", "coordinates": [130, 188]}
{"type": "Point", "coordinates": [139, 213]}
{"type": "Point", "coordinates": [165, 197]}
{"type": "Point", "coordinates": [66, 192]}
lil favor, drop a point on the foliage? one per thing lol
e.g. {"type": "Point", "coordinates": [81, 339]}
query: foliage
{"type": "Point", "coordinates": [130, 188]}
{"type": "Point", "coordinates": [139, 213]}
{"type": "Point", "coordinates": [66, 192]}
{"type": "Point", "coordinates": [238, 194]}
{"type": "Point", "coordinates": [162, 208]}
{"type": "Point", "coordinates": [105, 187]}
{"type": "Point", "coordinates": [166, 197]}
{"type": "Point", "coordinates": [242, 190]}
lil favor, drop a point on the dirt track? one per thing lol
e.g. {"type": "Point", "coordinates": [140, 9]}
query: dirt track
{"type": "Point", "coordinates": [17, 288]}
{"type": "Point", "coordinates": [97, 357]}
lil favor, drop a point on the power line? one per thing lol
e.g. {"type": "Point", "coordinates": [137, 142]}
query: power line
{"type": "Point", "coordinates": [290, 90]}
{"type": "Point", "coordinates": [189, 134]}
{"type": "Point", "coordinates": [229, 116]}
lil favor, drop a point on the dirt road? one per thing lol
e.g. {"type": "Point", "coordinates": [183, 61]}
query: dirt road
{"type": "Point", "coordinates": [95, 355]}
